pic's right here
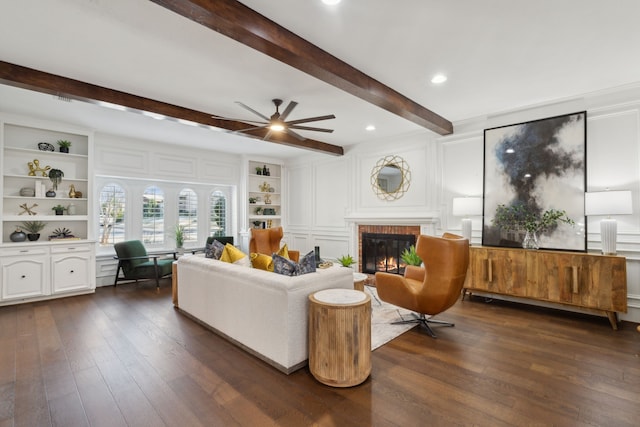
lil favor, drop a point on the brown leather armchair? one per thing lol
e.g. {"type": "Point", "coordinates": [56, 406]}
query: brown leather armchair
{"type": "Point", "coordinates": [434, 288]}
{"type": "Point", "coordinates": [267, 241]}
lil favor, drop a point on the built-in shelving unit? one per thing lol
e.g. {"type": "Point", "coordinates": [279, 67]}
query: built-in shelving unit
{"type": "Point", "coordinates": [48, 266]}
{"type": "Point", "coordinates": [264, 207]}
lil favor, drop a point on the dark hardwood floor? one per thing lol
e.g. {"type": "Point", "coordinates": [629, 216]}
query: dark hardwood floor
{"type": "Point", "coordinates": [125, 356]}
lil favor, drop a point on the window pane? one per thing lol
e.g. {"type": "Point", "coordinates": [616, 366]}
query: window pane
{"type": "Point", "coordinates": [188, 214]}
{"type": "Point", "coordinates": [153, 215]}
{"type": "Point", "coordinates": [112, 210]}
{"type": "Point", "coordinates": [218, 214]}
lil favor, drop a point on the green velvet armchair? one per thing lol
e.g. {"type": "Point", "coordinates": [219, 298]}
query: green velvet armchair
{"type": "Point", "coordinates": [136, 264]}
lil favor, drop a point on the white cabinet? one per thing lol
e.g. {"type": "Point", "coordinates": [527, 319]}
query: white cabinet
{"type": "Point", "coordinates": [264, 186]}
{"type": "Point", "coordinates": [62, 260]}
{"type": "Point", "coordinates": [25, 273]}
{"type": "Point", "coordinates": [72, 268]}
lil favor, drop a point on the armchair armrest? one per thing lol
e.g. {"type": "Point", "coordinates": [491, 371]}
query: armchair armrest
{"type": "Point", "coordinates": [414, 272]}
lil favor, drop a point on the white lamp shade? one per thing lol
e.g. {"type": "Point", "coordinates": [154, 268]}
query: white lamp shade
{"type": "Point", "coordinates": [467, 206]}
{"type": "Point", "coordinates": [608, 203]}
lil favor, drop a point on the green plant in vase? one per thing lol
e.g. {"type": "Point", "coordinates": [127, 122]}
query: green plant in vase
{"type": "Point", "coordinates": [64, 145]}
{"type": "Point", "coordinates": [59, 209]}
{"type": "Point", "coordinates": [179, 235]}
{"type": "Point", "coordinates": [346, 260]}
{"type": "Point", "coordinates": [519, 217]}
{"type": "Point", "coordinates": [33, 229]}
{"type": "Point", "coordinates": [410, 257]}
{"type": "Point", "coordinates": [55, 176]}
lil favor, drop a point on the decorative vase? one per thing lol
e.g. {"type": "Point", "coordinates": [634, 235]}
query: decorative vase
{"type": "Point", "coordinates": [18, 236]}
{"type": "Point", "coordinates": [64, 149]}
{"type": "Point", "coordinates": [71, 209]}
{"type": "Point", "coordinates": [50, 193]}
{"type": "Point", "coordinates": [33, 236]}
{"type": "Point", "coordinates": [530, 240]}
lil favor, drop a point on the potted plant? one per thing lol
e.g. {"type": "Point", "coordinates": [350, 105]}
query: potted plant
{"type": "Point", "coordinates": [346, 260]}
{"type": "Point", "coordinates": [34, 228]}
{"type": "Point", "coordinates": [520, 217]}
{"type": "Point", "coordinates": [59, 209]}
{"type": "Point", "coordinates": [410, 257]}
{"type": "Point", "coordinates": [258, 170]}
{"type": "Point", "coordinates": [179, 234]}
{"type": "Point", "coordinates": [64, 145]}
{"type": "Point", "coordinates": [258, 210]}
{"type": "Point", "coordinates": [252, 200]}
{"type": "Point", "coordinates": [55, 176]}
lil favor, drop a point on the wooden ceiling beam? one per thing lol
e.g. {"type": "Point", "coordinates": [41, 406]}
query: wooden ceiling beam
{"type": "Point", "coordinates": [40, 81]}
{"type": "Point", "coordinates": [237, 21]}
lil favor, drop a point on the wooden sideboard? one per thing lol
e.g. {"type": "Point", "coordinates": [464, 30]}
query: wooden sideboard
{"type": "Point", "coordinates": [594, 282]}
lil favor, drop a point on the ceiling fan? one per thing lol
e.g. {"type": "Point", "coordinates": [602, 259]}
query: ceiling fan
{"type": "Point", "coordinates": [278, 121]}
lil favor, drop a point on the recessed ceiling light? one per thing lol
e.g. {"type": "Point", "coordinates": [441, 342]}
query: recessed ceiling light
{"type": "Point", "coordinates": [331, 2]}
{"type": "Point", "coordinates": [510, 151]}
{"type": "Point", "coordinates": [438, 79]}
{"type": "Point", "coordinates": [370, 127]}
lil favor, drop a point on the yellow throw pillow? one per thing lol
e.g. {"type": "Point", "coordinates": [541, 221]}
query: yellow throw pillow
{"type": "Point", "coordinates": [231, 254]}
{"type": "Point", "coordinates": [284, 252]}
{"type": "Point", "coordinates": [262, 262]}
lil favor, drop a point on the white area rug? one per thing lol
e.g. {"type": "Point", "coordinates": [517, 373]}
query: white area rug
{"type": "Point", "coordinates": [382, 314]}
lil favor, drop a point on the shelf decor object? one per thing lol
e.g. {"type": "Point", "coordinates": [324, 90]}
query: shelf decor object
{"type": "Point", "coordinates": [608, 203]}
{"type": "Point", "coordinates": [466, 207]}
{"type": "Point", "coordinates": [536, 164]}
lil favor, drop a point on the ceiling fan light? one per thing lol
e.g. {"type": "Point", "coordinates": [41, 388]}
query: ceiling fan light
{"type": "Point", "coordinates": [277, 127]}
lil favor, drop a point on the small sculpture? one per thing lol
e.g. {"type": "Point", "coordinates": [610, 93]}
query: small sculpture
{"type": "Point", "coordinates": [265, 187]}
{"type": "Point", "coordinates": [34, 168]}
{"type": "Point", "coordinates": [267, 199]}
{"type": "Point", "coordinates": [27, 209]}
{"type": "Point", "coordinates": [72, 191]}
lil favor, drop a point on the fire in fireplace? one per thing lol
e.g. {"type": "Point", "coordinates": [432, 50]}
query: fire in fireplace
{"type": "Point", "coordinates": [381, 252]}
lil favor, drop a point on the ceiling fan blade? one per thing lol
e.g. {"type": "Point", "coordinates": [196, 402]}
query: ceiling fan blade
{"type": "Point", "coordinates": [267, 135]}
{"type": "Point", "coordinates": [287, 111]}
{"type": "Point", "coordinates": [238, 120]}
{"type": "Point", "coordinates": [246, 107]}
{"type": "Point", "coordinates": [311, 119]}
{"type": "Point", "coordinates": [310, 128]}
{"type": "Point", "coordinates": [251, 128]}
{"type": "Point", "coordinates": [294, 134]}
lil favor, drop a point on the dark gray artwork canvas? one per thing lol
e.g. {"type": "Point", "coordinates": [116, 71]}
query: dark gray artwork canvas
{"type": "Point", "coordinates": [539, 165]}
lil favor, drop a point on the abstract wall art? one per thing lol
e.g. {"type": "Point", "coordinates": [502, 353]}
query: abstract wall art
{"type": "Point", "coordinates": [536, 166]}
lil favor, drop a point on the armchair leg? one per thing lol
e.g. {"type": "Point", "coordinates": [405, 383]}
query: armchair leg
{"type": "Point", "coordinates": [421, 319]}
{"type": "Point", "coordinates": [115, 283]}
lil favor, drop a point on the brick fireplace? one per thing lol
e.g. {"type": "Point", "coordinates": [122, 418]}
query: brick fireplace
{"type": "Point", "coordinates": [413, 230]}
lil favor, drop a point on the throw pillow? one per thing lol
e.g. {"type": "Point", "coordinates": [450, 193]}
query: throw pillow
{"type": "Point", "coordinates": [245, 261]}
{"type": "Point", "coordinates": [213, 250]}
{"type": "Point", "coordinates": [232, 254]}
{"type": "Point", "coordinates": [286, 267]}
{"type": "Point", "coordinates": [284, 251]}
{"type": "Point", "coordinates": [307, 264]}
{"type": "Point", "coordinates": [262, 261]}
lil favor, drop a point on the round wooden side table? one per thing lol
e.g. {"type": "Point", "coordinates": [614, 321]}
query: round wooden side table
{"type": "Point", "coordinates": [340, 336]}
{"type": "Point", "coordinates": [358, 281]}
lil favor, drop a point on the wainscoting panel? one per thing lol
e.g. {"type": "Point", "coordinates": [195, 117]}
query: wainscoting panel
{"type": "Point", "coordinates": [184, 167]}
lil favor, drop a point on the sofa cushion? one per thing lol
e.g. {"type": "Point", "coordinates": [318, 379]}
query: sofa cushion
{"type": "Point", "coordinates": [307, 264]}
{"type": "Point", "coordinates": [284, 251]}
{"type": "Point", "coordinates": [262, 261]}
{"type": "Point", "coordinates": [286, 267]}
{"type": "Point", "coordinates": [213, 250]}
{"type": "Point", "coordinates": [232, 254]}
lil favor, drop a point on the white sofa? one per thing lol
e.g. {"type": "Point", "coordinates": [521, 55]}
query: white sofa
{"type": "Point", "coordinates": [263, 312]}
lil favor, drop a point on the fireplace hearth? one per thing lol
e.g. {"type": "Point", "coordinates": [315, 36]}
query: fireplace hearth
{"type": "Point", "coordinates": [382, 252]}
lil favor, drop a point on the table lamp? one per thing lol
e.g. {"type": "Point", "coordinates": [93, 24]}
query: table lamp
{"type": "Point", "coordinates": [466, 207]}
{"type": "Point", "coordinates": [608, 203]}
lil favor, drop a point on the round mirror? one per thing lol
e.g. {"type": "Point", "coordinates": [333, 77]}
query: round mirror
{"type": "Point", "coordinates": [390, 178]}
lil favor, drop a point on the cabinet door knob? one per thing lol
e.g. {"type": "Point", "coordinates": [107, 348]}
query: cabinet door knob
{"type": "Point", "coordinates": [71, 272]}
{"type": "Point", "coordinates": [23, 277]}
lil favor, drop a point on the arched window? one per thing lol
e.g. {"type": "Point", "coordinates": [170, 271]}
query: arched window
{"type": "Point", "coordinates": [153, 215]}
{"type": "Point", "coordinates": [112, 212]}
{"type": "Point", "coordinates": [217, 214]}
{"type": "Point", "coordinates": [188, 214]}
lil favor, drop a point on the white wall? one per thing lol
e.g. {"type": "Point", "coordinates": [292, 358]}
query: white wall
{"type": "Point", "coordinates": [446, 167]}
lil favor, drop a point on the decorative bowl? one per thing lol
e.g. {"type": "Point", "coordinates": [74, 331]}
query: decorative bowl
{"type": "Point", "coordinates": [45, 146]}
